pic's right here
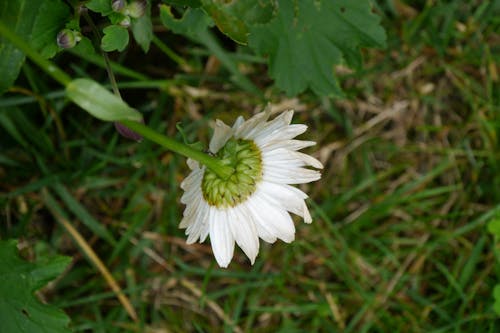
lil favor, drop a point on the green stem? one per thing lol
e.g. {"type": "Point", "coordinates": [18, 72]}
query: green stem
{"type": "Point", "coordinates": [213, 163]}
{"type": "Point", "coordinates": [46, 65]}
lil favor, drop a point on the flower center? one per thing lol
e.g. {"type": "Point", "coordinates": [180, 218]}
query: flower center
{"type": "Point", "coordinates": [245, 157]}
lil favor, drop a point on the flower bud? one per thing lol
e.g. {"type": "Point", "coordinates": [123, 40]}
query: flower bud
{"type": "Point", "coordinates": [136, 9]}
{"type": "Point", "coordinates": [127, 132]}
{"type": "Point", "coordinates": [125, 22]}
{"type": "Point", "coordinates": [118, 5]}
{"type": "Point", "coordinates": [67, 38]}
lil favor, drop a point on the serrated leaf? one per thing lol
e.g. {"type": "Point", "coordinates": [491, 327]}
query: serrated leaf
{"type": "Point", "coordinates": [142, 30]}
{"type": "Point", "coordinates": [234, 17]}
{"type": "Point", "coordinates": [99, 102]}
{"type": "Point", "coordinates": [100, 6]}
{"type": "Point", "coordinates": [115, 38]}
{"type": "Point", "coordinates": [46, 27]}
{"type": "Point", "coordinates": [308, 38]}
{"type": "Point", "coordinates": [20, 310]}
{"type": "Point", "coordinates": [193, 23]}
{"type": "Point", "coordinates": [19, 16]}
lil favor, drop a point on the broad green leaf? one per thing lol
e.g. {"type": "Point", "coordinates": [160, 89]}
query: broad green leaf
{"type": "Point", "coordinates": [99, 102]}
{"type": "Point", "coordinates": [30, 21]}
{"type": "Point", "coordinates": [308, 38]}
{"type": "Point", "coordinates": [193, 23]}
{"type": "Point", "coordinates": [20, 310]}
{"type": "Point", "coordinates": [100, 6]}
{"type": "Point", "coordinates": [115, 38]}
{"type": "Point", "coordinates": [142, 30]}
{"type": "Point", "coordinates": [20, 16]}
{"type": "Point", "coordinates": [47, 26]}
{"type": "Point", "coordinates": [233, 17]}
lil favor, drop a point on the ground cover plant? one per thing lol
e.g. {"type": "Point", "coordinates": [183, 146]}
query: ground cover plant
{"type": "Point", "coordinates": [401, 97]}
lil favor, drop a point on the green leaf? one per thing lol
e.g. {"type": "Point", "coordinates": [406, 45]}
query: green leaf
{"type": "Point", "coordinates": [29, 20]}
{"type": "Point", "coordinates": [100, 6]}
{"type": "Point", "coordinates": [142, 30]}
{"type": "Point", "coordinates": [233, 17]}
{"type": "Point", "coordinates": [193, 23]}
{"type": "Point", "coordinates": [84, 48]}
{"type": "Point", "coordinates": [115, 38]}
{"type": "Point", "coordinates": [99, 102]}
{"type": "Point", "coordinates": [47, 26]}
{"type": "Point", "coordinates": [494, 227]}
{"type": "Point", "coordinates": [19, 15]}
{"type": "Point", "coordinates": [308, 38]}
{"type": "Point", "coordinates": [20, 310]}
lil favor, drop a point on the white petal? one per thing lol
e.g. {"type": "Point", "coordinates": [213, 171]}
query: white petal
{"type": "Point", "coordinates": [288, 157]}
{"type": "Point", "coordinates": [267, 128]}
{"type": "Point", "coordinates": [244, 232]}
{"type": "Point", "coordinates": [293, 175]}
{"type": "Point", "coordinates": [192, 179]}
{"type": "Point", "coordinates": [286, 144]}
{"type": "Point", "coordinates": [239, 121]}
{"type": "Point", "coordinates": [251, 124]}
{"type": "Point", "coordinates": [271, 217]}
{"type": "Point", "coordinates": [286, 133]}
{"type": "Point", "coordinates": [221, 237]}
{"type": "Point", "coordinates": [222, 133]}
{"type": "Point", "coordinates": [289, 197]}
{"type": "Point", "coordinates": [198, 225]}
{"type": "Point", "coordinates": [192, 164]}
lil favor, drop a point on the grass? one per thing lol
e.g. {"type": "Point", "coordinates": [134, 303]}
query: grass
{"type": "Point", "coordinates": [398, 242]}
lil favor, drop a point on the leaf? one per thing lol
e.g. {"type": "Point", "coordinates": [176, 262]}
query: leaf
{"type": "Point", "coordinates": [30, 21]}
{"type": "Point", "coordinates": [20, 310]}
{"type": "Point", "coordinates": [99, 102]}
{"type": "Point", "coordinates": [100, 6]}
{"type": "Point", "coordinates": [233, 17]}
{"type": "Point", "coordinates": [494, 227]}
{"type": "Point", "coordinates": [115, 38]}
{"type": "Point", "coordinates": [19, 16]}
{"type": "Point", "coordinates": [193, 23]}
{"type": "Point", "coordinates": [142, 30]}
{"type": "Point", "coordinates": [308, 38]}
{"type": "Point", "coordinates": [46, 27]}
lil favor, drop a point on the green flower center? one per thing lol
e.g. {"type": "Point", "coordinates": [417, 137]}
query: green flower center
{"type": "Point", "coordinates": [245, 157]}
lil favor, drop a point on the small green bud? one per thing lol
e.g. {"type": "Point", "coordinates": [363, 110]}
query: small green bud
{"type": "Point", "coordinates": [125, 22]}
{"type": "Point", "coordinates": [67, 38]}
{"type": "Point", "coordinates": [136, 9]}
{"type": "Point", "coordinates": [118, 5]}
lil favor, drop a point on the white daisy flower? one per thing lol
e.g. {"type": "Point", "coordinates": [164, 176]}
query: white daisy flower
{"type": "Point", "coordinates": [256, 199]}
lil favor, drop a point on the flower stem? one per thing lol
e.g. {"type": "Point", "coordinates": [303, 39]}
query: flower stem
{"type": "Point", "coordinates": [214, 164]}
{"type": "Point", "coordinates": [46, 65]}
